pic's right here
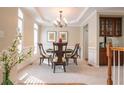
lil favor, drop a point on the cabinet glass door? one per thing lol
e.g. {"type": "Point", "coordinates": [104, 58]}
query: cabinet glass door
{"type": "Point", "coordinates": [117, 27]}
{"type": "Point", "coordinates": [110, 27]}
{"type": "Point", "coordinates": [102, 27]}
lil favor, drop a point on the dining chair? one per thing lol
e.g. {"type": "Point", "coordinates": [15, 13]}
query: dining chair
{"type": "Point", "coordinates": [74, 55]}
{"type": "Point", "coordinates": [59, 55]}
{"type": "Point", "coordinates": [43, 54]}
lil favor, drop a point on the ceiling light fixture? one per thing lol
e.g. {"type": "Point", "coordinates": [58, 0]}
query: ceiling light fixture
{"type": "Point", "coordinates": [60, 21]}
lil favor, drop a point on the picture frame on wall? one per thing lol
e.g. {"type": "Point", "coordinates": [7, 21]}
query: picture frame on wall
{"type": "Point", "coordinates": [51, 36]}
{"type": "Point", "coordinates": [63, 35]}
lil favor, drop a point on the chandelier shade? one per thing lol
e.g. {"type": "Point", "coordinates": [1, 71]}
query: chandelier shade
{"type": "Point", "coordinates": [60, 21]}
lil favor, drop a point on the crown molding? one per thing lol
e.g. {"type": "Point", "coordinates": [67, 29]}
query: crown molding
{"type": "Point", "coordinates": [80, 16]}
{"type": "Point", "coordinates": [110, 12]}
{"type": "Point", "coordinates": [70, 22]}
{"type": "Point", "coordinates": [80, 19]}
{"type": "Point", "coordinates": [88, 17]}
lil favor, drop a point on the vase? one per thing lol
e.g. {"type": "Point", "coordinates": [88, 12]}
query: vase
{"type": "Point", "coordinates": [6, 78]}
{"type": "Point", "coordinates": [60, 40]}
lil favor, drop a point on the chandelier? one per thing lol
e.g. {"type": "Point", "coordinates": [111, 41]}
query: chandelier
{"type": "Point", "coordinates": [60, 21]}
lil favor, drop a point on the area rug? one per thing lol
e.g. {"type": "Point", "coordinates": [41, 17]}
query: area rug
{"type": "Point", "coordinates": [81, 74]}
{"type": "Point", "coordinates": [52, 84]}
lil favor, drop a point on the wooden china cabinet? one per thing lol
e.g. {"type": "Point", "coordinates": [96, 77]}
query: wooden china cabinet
{"type": "Point", "coordinates": [109, 27]}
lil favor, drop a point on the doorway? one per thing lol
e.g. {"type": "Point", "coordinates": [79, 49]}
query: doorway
{"type": "Point", "coordinates": [85, 42]}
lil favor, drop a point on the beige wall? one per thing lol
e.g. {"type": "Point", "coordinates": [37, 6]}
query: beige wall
{"type": "Point", "coordinates": [92, 31]}
{"type": "Point", "coordinates": [8, 25]}
{"type": "Point", "coordinates": [29, 21]}
{"type": "Point", "coordinates": [81, 41]}
{"type": "Point", "coordinates": [73, 35]}
{"type": "Point", "coordinates": [91, 20]}
{"type": "Point", "coordinates": [28, 29]}
{"type": "Point", "coordinates": [28, 39]}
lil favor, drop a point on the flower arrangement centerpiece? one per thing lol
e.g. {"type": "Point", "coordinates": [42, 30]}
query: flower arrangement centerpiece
{"type": "Point", "coordinates": [60, 40]}
{"type": "Point", "coordinates": [9, 58]}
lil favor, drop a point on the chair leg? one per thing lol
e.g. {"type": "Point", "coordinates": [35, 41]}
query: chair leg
{"type": "Point", "coordinates": [52, 65]}
{"type": "Point", "coordinates": [64, 68]}
{"type": "Point", "coordinates": [41, 61]}
{"type": "Point", "coordinates": [75, 61]}
{"type": "Point", "coordinates": [48, 62]}
{"type": "Point", "coordinates": [54, 68]}
{"type": "Point", "coordinates": [67, 60]}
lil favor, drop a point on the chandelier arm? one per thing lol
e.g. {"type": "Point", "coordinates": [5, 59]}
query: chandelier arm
{"type": "Point", "coordinates": [61, 22]}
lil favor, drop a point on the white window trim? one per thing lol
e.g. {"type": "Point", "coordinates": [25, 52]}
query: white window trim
{"type": "Point", "coordinates": [22, 33]}
{"type": "Point", "coordinates": [36, 44]}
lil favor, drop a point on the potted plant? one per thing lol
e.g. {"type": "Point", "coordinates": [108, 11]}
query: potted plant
{"type": "Point", "coordinates": [9, 58]}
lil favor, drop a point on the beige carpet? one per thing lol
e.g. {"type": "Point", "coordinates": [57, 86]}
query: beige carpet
{"type": "Point", "coordinates": [78, 75]}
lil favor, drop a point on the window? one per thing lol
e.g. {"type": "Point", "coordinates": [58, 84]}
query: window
{"type": "Point", "coordinates": [20, 29]}
{"type": "Point", "coordinates": [20, 14]}
{"type": "Point", "coordinates": [35, 38]}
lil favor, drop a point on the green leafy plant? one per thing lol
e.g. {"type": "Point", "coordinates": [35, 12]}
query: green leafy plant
{"type": "Point", "coordinates": [10, 57]}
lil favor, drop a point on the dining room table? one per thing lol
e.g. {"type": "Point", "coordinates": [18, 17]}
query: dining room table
{"type": "Point", "coordinates": [52, 51]}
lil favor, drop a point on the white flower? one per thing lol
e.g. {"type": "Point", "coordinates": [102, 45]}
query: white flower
{"type": "Point", "coordinates": [10, 57]}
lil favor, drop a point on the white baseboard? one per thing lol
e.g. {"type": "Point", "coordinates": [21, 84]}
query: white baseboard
{"type": "Point", "coordinates": [92, 56]}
